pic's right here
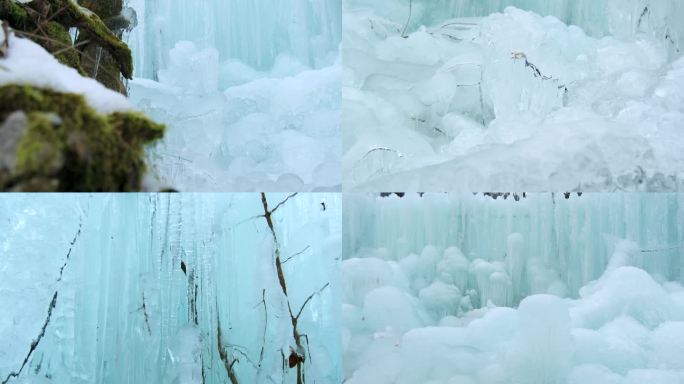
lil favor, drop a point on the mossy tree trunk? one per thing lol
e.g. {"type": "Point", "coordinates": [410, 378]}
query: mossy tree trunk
{"type": "Point", "coordinates": [102, 65]}
{"type": "Point", "coordinates": [99, 52]}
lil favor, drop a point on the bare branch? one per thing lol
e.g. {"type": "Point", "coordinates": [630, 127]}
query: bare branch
{"type": "Point", "coordinates": [223, 354]}
{"type": "Point", "coordinates": [294, 358]}
{"type": "Point", "coordinates": [309, 299]}
{"type": "Point", "coordinates": [283, 202]}
{"type": "Point", "coordinates": [263, 343]}
{"type": "Point", "coordinates": [269, 221]}
{"type": "Point", "coordinates": [296, 254]}
{"type": "Point", "coordinates": [408, 21]}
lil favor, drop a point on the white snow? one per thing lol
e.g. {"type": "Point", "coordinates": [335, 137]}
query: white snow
{"type": "Point", "coordinates": [28, 63]}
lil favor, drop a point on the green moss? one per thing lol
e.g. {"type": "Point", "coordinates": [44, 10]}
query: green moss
{"type": "Point", "coordinates": [104, 37]}
{"type": "Point", "coordinates": [67, 14]}
{"type": "Point", "coordinates": [86, 151]}
{"type": "Point", "coordinates": [135, 126]}
{"type": "Point", "coordinates": [106, 71]}
{"type": "Point", "coordinates": [40, 149]}
{"type": "Point", "coordinates": [15, 15]}
{"type": "Point", "coordinates": [25, 98]}
{"type": "Point", "coordinates": [52, 35]}
{"type": "Point", "coordinates": [104, 8]}
{"type": "Point", "coordinates": [59, 43]}
{"type": "Point", "coordinates": [96, 30]}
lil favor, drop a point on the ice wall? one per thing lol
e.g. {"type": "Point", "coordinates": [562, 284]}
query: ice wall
{"type": "Point", "coordinates": [249, 91]}
{"type": "Point", "coordinates": [255, 32]}
{"type": "Point", "coordinates": [132, 288]}
{"type": "Point", "coordinates": [541, 243]}
{"type": "Point", "coordinates": [620, 18]}
{"type": "Point", "coordinates": [524, 289]}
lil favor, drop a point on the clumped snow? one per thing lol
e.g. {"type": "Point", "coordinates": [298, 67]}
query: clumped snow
{"type": "Point", "coordinates": [30, 64]}
{"type": "Point", "coordinates": [466, 289]}
{"type": "Point", "coordinates": [510, 101]}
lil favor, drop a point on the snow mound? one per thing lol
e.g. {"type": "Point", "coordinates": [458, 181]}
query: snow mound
{"type": "Point", "coordinates": [28, 63]}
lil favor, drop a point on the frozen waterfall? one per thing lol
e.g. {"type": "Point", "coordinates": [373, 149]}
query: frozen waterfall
{"type": "Point", "coordinates": [250, 91]}
{"type": "Point", "coordinates": [513, 288]}
{"type": "Point", "coordinates": [513, 95]}
{"type": "Point", "coordinates": [168, 288]}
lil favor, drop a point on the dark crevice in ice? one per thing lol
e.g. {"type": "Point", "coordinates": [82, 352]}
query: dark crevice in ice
{"type": "Point", "coordinates": [51, 307]}
{"type": "Point", "coordinates": [35, 342]}
{"type": "Point", "coordinates": [192, 292]}
{"type": "Point", "coordinates": [143, 307]}
{"type": "Point", "coordinates": [166, 229]}
{"type": "Point", "coordinates": [641, 18]}
{"type": "Point", "coordinates": [71, 247]}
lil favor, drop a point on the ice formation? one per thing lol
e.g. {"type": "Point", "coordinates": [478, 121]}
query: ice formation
{"type": "Point", "coordinates": [478, 95]}
{"type": "Point", "coordinates": [446, 289]}
{"type": "Point", "coordinates": [137, 288]}
{"type": "Point", "coordinates": [250, 92]}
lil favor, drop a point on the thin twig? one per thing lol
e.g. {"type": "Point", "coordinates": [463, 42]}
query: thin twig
{"type": "Point", "coordinates": [57, 52]}
{"type": "Point", "coordinates": [283, 202]}
{"type": "Point", "coordinates": [223, 354]}
{"type": "Point", "coordinates": [296, 254]}
{"type": "Point", "coordinates": [263, 343]}
{"type": "Point", "coordinates": [403, 33]}
{"type": "Point", "coordinates": [269, 221]}
{"type": "Point", "coordinates": [309, 299]}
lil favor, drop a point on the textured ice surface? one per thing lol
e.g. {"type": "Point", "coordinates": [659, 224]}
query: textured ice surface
{"type": "Point", "coordinates": [250, 92]}
{"type": "Point", "coordinates": [467, 289]}
{"type": "Point", "coordinates": [140, 283]}
{"type": "Point", "coordinates": [468, 100]}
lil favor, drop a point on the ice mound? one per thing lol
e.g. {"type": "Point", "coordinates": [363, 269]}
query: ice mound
{"type": "Point", "coordinates": [250, 93]}
{"type": "Point", "coordinates": [260, 133]}
{"type": "Point", "coordinates": [509, 101]}
{"type": "Point", "coordinates": [446, 289]}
